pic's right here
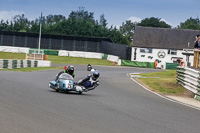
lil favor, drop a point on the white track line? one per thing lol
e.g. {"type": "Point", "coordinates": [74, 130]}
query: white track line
{"type": "Point", "coordinates": [164, 96]}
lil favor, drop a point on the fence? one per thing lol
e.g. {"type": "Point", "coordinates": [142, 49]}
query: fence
{"type": "Point", "coordinates": [189, 79]}
{"type": "Point", "coordinates": [138, 64]}
{"type": "Point", "coordinates": [61, 42]}
{"type": "Point", "coordinates": [172, 65]}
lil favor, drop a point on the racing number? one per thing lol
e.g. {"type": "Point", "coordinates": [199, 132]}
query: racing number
{"type": "Point", "coordinates": [69, 86]}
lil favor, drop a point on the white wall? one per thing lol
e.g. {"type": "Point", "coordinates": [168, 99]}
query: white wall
{"type": "Point", "coordinates": [80, 54]}
{"type": "Point", "coordinates": [44, 63]}
{"type": "Point", "coordinates": [14, 49]}
{"type": "Point", "coordinates": [154, 54]}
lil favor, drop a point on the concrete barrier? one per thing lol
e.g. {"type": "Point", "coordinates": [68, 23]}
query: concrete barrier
{"type": "Point", "coordinates": [119, 62]}
{"type": "Point", "coordinates": [14, 49]}
{"type": "Point", "coordinates": [113, 58]}
{"type": "Point", "coordinates": [189, 79]}
{"type": "Point", "coordinates": [63, 53]}
{"type": "Point", "coordinates": [80, 54]}
{"type": "Point", "coordinates": [44, 63]}
{"type": "Point", "coordinates": [89, 55]}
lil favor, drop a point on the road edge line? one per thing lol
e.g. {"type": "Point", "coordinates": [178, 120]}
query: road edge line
{"type": "Point", "coordinates": [165, 97]}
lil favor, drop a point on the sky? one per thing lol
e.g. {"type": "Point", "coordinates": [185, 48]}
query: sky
{"type": "Point", "coordinates": [173, 12]}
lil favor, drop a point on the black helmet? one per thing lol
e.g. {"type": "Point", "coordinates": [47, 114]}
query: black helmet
{"type": "Point", "coordinates": [70, 69]}
{"type": "Point", "coordinates": [89, 67]}
{"type": "Point", "coordinates": [95, 74]}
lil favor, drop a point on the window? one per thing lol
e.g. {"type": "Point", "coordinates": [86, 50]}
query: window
{"type": "Point", "coordinates": [172, 52]}
{"type": "Point", "coordinates": [146, 50]}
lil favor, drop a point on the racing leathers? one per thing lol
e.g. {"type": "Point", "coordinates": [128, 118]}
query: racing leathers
{"type": "Point", "coordinates": [89, 83]}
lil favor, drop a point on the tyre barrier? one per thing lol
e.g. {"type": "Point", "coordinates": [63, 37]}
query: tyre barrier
{"type": "Point", "coordinates": [189, 79]}
{"type": "Point", "coordinates": [12, 64]}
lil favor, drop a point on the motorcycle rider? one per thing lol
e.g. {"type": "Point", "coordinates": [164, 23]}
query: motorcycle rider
{"type": "Point", "coordinates": [67, 69]}
{"type": "Point", "coordinates": [90, 82]}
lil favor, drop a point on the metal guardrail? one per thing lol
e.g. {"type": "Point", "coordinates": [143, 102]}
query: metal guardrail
{"type": "Point", "coordinates": [189, 79]}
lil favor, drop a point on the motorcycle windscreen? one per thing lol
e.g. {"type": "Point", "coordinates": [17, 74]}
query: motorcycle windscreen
{"type": "Point", "coordinates": [66, 76]}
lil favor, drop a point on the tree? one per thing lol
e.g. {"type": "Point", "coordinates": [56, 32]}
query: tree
{"type": "Point", "coordinates": [190, 23]}
{"type": "Point", "coordinates": [4, 25]}
{"type": "Point", "coordinates": [153, 22]}
{"type": "Point", "coordinates": [103, 21]}
{"type": "Point", "coordinates": [53, 19]}
{"type": "Point", "coordinates": [117, 37]}
{"type": "Point", "coordinates": [79, 23]}
{"type": "Point", "coordinates": [35, 26]}
{"type": "Point", "coordinates": [20, 23]}
{"type": "Point", "coordinates": [127, 29]}
{"type": "Point", "coordinates": [82, 14]}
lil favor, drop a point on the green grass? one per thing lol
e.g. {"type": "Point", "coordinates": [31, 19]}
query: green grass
{"type": "Point", "coordinates": [55, 60]}
{"type": "Point", "coordinates": [17, 56]}
{"type": "Point", "coordinates": [165, 84]}
{"type": "Point", "coordinates": [60, 59]}
{"type": "Point", "coordinates": [78, 60]}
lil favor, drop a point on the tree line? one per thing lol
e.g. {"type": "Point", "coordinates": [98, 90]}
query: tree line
{"type": "Point", "coordinates": [83, 23]}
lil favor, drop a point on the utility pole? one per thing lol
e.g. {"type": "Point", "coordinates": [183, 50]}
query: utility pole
{"type": "Point", "coordinates": [40, 33]}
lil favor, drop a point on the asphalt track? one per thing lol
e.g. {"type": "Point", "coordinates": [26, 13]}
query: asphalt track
{"type": "Point", "coordinates": [118, 105]}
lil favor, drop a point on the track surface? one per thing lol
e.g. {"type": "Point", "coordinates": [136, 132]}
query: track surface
{"type": "Point", "coordinates": [118, 105]}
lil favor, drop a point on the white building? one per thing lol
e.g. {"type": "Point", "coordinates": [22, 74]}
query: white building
{"type": "Point", "coordinates": [163, 44]}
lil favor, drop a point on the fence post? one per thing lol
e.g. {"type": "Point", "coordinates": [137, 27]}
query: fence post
{"type": "Point", "coordinates": [1, 40]}
{"type": "Point", "coordinates": [62, 44]}
{"type": "Point", "coordinates": [49, 43]}
{"type": "Point", "coordinates": [98, 47]}
{"type": "Point", "coordinates": [25, 41]}
{"type": "Point", "coordinates": [85, 46]}
{"type": "Point", "coordinates": [196, 59]}
{"type": "Point", "coordinates": [74, 47]}
{"type": "Point", "coordinates": [13, 40]}
{"type": "Point", "coordinates": [128, 53]}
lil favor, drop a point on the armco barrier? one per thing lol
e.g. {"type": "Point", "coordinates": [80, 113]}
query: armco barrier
{"type": "Point", "coordinates": [189, 79]}
{"type": "Point", "coordinates": [11, 64]}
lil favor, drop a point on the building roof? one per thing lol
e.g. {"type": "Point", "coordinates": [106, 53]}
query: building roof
{"type": "Point", "coordinates": [164, 38]}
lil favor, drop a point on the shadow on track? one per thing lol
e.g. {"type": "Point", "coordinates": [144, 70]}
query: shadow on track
{"type": "Point", "coordinates": [72, 93]}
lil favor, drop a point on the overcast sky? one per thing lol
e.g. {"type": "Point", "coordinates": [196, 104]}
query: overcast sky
{"type": "Point", "coordinates": [116, 11]}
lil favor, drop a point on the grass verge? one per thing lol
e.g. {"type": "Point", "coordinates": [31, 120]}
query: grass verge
{"type": "Point", "coordinates": [78, 60]}
{"type": "Point", "coordinates": [55, 60]}
{"type": "Point", "coordinates": [15, 56]}
{"type": "Point", "coordinates": [60, 59]}
{"type": "Point", "coordinates": [162, 82]}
